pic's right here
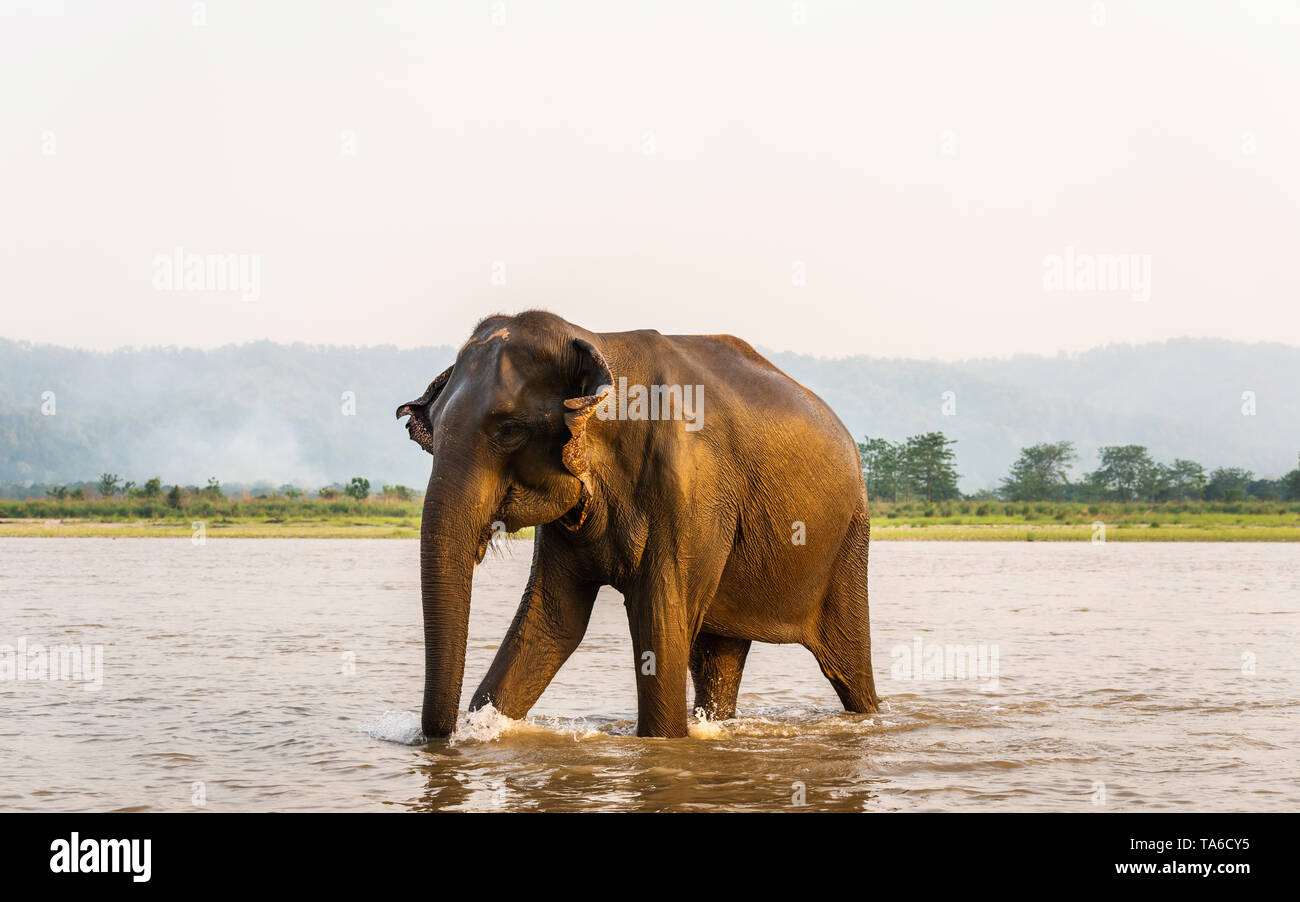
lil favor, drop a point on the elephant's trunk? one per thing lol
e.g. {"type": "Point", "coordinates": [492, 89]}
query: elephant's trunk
{"type": "Point", "coordinates": [449, 547]}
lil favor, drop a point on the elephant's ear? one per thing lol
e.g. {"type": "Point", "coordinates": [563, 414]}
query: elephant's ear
{"type": "Point", "coordinates": [594, 382]}
{"type": "Point", "coordinates": [418, 410]}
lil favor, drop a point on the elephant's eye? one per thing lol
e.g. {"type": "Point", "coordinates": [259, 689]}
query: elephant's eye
{"type": "Point", "coordinates": [511, 433]}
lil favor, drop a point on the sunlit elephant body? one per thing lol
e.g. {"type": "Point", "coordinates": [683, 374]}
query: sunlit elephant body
{"type": "Point", "coordinates": [748, 523]}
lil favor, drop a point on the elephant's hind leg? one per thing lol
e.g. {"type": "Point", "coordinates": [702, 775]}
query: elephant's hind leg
{"type": "Point", "coordinates": [841, 641]}
{"type": "Point", "coordinates": [717, 663]}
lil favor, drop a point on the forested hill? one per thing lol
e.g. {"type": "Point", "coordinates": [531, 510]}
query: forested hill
{"type": "Point", "coordinates": [275, 413]}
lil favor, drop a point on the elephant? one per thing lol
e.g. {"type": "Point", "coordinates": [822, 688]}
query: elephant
{"type": "Point", "coordinates": [742, 520]}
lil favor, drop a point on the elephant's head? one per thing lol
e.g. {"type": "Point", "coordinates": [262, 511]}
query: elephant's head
{"type": "Point", "coordinates": [507, 427]}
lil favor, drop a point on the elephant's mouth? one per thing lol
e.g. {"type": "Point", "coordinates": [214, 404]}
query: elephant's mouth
{"type": "Point", "coordinates": [574, 517]}
{"type": "Point", "coordinates": [517, 509]}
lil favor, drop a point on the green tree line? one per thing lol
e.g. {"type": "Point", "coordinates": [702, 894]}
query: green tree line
{"type": "Point", "coordinates": [111, 486]}
{"type": "Point", "coordinates": [920, 468]}
{"type": "Point", "coordinates": [1128, 473]}
{"type": "Point", "coordinates": [923, 467]}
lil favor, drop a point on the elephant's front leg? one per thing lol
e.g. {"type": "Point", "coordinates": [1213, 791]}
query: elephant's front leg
{"type": "Point", "coordinates": [661, 640]}
{"type": "Point", "coordinates": [550, 623]}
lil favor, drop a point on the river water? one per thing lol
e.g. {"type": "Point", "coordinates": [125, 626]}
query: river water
{"type": "Point", "coordinates": [285, 674]}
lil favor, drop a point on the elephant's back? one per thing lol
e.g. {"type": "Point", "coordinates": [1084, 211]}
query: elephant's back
{"type": "Point", "coordinates": [776, 414]}
{"type": "Point", "coordinates": [757, 419]}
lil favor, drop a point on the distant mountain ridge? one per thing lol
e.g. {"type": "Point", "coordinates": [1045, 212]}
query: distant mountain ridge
{"type": "Point", "coordinates": [275, 413]}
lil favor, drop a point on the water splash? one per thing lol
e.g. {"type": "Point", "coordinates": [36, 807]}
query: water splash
{"type": "Point", "coordinates": [487, 724]}
{"type": "Point", "coordinates": [703, 728]}
{"type": "Point", "coordinates": [396, 726]}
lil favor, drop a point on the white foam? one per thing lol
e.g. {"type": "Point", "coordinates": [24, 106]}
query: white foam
{"type": "Point", "coordinates": [396, 726]}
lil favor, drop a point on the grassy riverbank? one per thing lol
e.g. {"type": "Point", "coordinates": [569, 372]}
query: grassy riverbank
{"type": "Point", "coordinates": [963, 521]}
{"type": "Point", "coordinates": [228, 529]}
{"type": "Point", "coordinates": [995, 521]}
{"type": "Point", "coordinates": [938, 532]}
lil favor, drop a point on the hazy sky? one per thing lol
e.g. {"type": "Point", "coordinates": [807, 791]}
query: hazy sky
{"type": "Point", "coordinates": [679, 166]}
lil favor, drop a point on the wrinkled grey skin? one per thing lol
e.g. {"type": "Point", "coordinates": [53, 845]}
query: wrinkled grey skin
{"type": "Point", "coordinates": [698, 529]}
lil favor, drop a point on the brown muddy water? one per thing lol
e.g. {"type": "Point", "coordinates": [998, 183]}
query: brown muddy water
{"type": "Point", "coordinates": [285, 674]}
